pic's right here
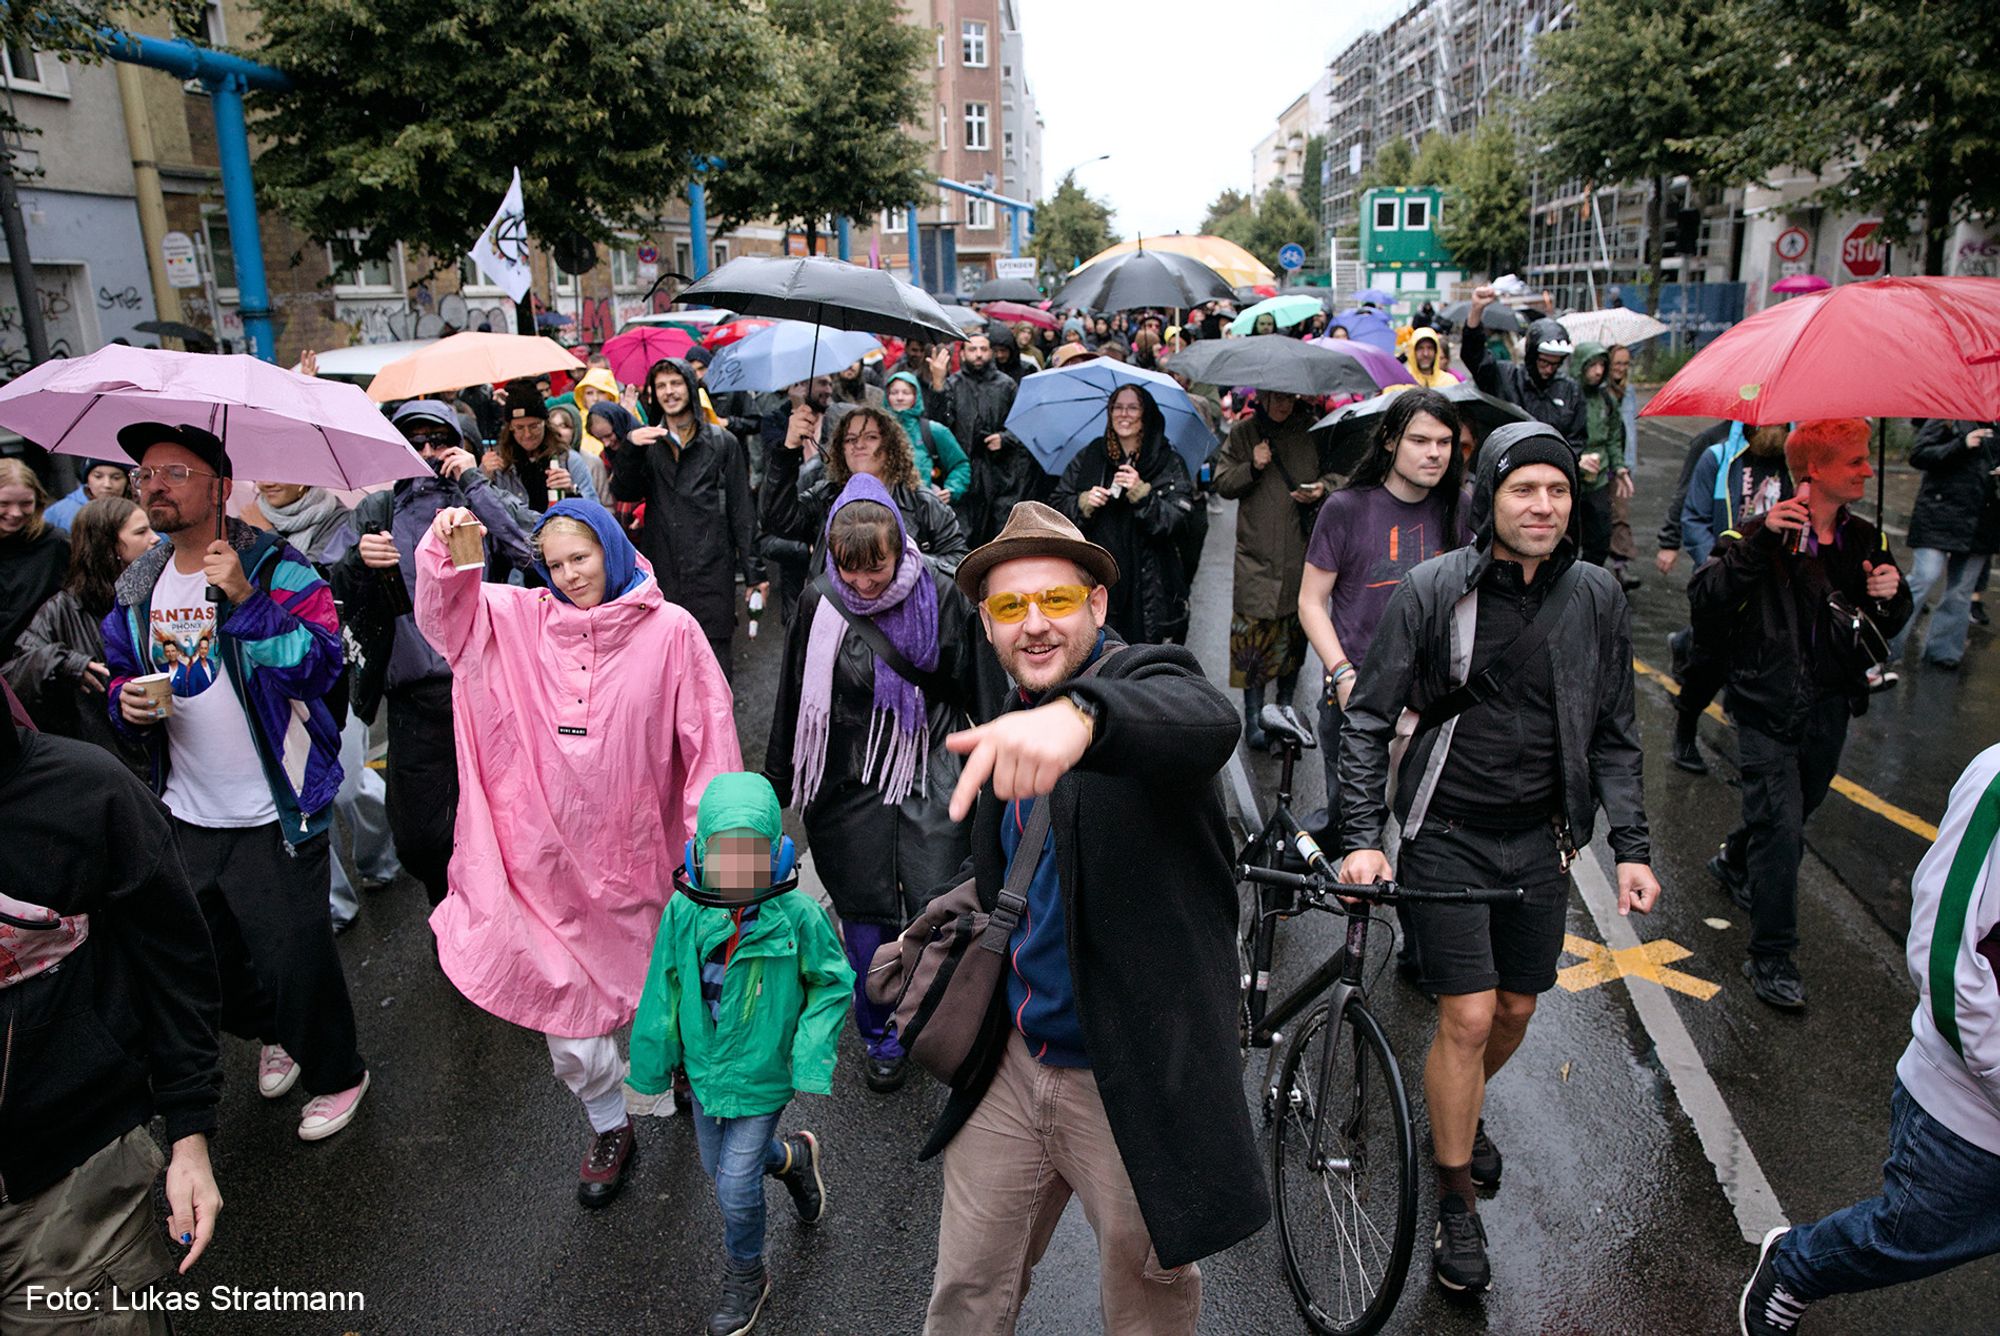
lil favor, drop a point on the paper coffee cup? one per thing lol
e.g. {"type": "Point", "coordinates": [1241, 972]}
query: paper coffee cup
{"type": "Point", "coordinates": [467, 547]}
{"type": "Point", "coordinates": [159, 689]}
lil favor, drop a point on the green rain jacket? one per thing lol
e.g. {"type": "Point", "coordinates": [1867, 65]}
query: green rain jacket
{"type": "Point", "coordinates": [785, 993]}
{"type": "Point", "coordinates": [948, 456]}
{"type": "Point", "coordinates": [1604, 422]}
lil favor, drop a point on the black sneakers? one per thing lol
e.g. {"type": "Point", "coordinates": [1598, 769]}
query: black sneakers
{"type": "Point", "coordinates": [744, 1290]}
{"type": "Point", "coordinates": [1485, 1160]}
{"type": "Point", "coordinates": [1730, 880]}
{"type": "Point", "coordinates": [885, 1076]}
{"type": "Point", "coordinates": [1458, 1249]}
{"type": "Point", "coordinates": [1776, 981]}
{"type": "Point", "coordinates": [801, 1176]}
{"type": "Point", "coordinates": [1767, 1308]}
{"type": "Point", "coordinates": [1686, 753]}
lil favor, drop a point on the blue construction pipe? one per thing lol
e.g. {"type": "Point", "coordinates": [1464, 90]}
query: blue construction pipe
{"type": "Point", "coordinates": [698, 226]}
{"type": "Point", "coordinates": [239, 197]}
{"type": "Point", "coordinates": [181, 57]}
{"type": "Point", "coordinates": [916, 249]}
{"type": "Point", "coordinates": [843, 237]}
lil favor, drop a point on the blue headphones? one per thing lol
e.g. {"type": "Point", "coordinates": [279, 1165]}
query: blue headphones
{"type": "Point", "coordinates": [784, 876]}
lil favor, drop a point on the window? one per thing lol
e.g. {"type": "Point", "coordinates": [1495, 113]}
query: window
{"type": "Point", "coordinates": [473, 283]}
{"type": "Point", "coordinates": [1416, 215]}
{"type": "Point", "coordinates": [944, 127]}
{"type": "Point", "coordinates": [1007, 144]}
{"type": "Point", "coordinates": [624, 265]}
{"type": "Point", "coordinates": [683, 258]}
{"type": "Point", "coordinates": [979, 214]}
{"type": "Point", "coordinates": [204, 25]}
{"type": "Point", "coordinates": [1385, 215]}
{"type": "Point", "coordinates": [972, 44]}
{"type": "Point", "coordinates": [221, 253]}
{"type": "Point", "coordinates": [895, 220]}
{"type": "Point", "coordinates": [975, 126]}
{"type": "Point", "coordinates": [352, 275]}
{"type": "Point", "coordinates": [940, 37]}
{"type": "Point", "coordinates": [563, 283]}
{"type": "Point", "coordinates": [24, 70]}
{"type": "Point", "coordinates": [721, 252]}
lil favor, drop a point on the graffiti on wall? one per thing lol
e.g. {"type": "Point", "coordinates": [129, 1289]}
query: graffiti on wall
{"type": "Point", "coordinates": [124, 299]}
{"type": "Point", "coordinates": [424, 317]}
{"type": "Point", "coordinates": [1977, 258]}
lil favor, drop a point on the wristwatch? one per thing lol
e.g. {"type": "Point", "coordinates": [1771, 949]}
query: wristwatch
{"type": "Point", "coordinates": [1091, 714]}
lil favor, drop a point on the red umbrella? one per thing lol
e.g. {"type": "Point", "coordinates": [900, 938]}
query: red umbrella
{"type": "Point", "coordinates": [1892, 347]}
{"type": "Point", "coordinates": [1014, 313]}
{"type": "Point", "coordinates": [633, 353]}
{"type": "Point", "coordinates": [1797, 283]}
{"type": "Point", "coordinates": [729, 331]}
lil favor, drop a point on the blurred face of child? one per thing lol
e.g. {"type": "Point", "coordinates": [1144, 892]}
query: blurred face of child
{"type": "Point", "coordinates": [738, 864]}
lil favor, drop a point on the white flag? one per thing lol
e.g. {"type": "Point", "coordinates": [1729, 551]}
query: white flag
{"type": "Point", "coordinates": [502, 249]}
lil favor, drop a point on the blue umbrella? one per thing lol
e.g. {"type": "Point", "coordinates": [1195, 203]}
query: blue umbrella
{"type": "Point", "coordinates": [785, 354]}
{"type": "Point", "coordinates": [1367, 327]}
{"type": "Point", "coordinates": [1059, 412]}
{"type": "Point", "coordinates": [1374, 297]}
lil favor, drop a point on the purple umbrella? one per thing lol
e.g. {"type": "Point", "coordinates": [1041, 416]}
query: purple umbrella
{"type": "Point", "coordinates": [1374, 297]}
{"type": "Point", "coordinates": [1368, 327]}
{"type": "Point", "coordinates": [278, 425]}
{"type": "Point", "coordinates": [1386, 368]}
{"type": "Point", "coordinates": [1801, 283]}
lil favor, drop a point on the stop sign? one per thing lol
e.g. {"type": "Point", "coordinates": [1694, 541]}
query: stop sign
{"type": "Point", "coordinates": [1860, 253]}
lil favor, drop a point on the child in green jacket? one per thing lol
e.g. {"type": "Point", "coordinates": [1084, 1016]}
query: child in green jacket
{"type": "Point", "coordinates": [748, 990]}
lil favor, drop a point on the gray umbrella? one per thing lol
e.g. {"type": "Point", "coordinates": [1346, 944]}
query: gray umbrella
{"type": "Point", "coordinates": [1499, 316]}
{"type": "Point", "coordinates": [1343, 435]}
{"type": "Point", "coordinates": [1290, 365]}
{"type": "Point", "coordinates": [1139, 279]}
{"type": "Point", "coordinates": [825, 292]}
{"type": "Point", "coordinates": [1007, 290]}
{"type": "Point", "coordinates": [963, 316]}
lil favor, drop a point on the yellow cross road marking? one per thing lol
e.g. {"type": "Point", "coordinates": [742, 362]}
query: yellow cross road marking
{"type": "Point", "coordinates": [1648, 960]}
{"type": "Point", "coordinates": [1843, 786]}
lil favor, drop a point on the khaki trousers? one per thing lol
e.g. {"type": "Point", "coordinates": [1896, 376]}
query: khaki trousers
{"type": "Point", "coordinates": [1038, 1136]}
{"type": "Point", "coordinates": [80, 1236]}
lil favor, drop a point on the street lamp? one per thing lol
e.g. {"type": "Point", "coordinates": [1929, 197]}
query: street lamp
{"type": "Point", "coordinates": [1071, 173]}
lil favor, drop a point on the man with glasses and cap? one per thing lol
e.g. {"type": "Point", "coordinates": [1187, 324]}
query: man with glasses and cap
{"type": "Point", "coordinates": [249, 769]}
{"type": "Point", "coordinates": [1537, 384]}
{"type": "Point", "coordinates": [377, 580]}
{"type": "Point", "coordinates": [1099, 1072]}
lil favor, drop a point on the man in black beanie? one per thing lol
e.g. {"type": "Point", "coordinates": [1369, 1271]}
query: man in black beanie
{"type": "Point", "coordinates": [1517, 659]}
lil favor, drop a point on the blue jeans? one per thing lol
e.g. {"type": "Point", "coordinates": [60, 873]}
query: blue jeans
{"type": "Point", "coordinates": [737, 1153]}
{"type": "Point", "coordinates": [1935, 1212]}
{"type": "Point", "coordinates": [1960, 571]}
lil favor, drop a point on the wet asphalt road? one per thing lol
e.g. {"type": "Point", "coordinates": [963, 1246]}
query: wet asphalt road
{"type": "Point", "coordinates": [449, 1203]}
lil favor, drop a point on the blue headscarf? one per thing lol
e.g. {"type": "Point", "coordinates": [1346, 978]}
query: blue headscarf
{"type": "Point", "coordinates": [621, 560]}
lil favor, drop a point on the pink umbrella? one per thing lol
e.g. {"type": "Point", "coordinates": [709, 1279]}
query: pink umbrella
{"type": "Point", "coordinates": [1801, 283]}
{"type": "Point", "coordinates": [1016, 314]}
{"type": "Point", "coordinates": [633, 353]}
{"type": "Point", "coordinates": [278, 425]}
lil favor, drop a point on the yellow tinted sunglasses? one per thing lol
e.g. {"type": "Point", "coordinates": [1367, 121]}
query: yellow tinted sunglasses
{"type": "Point", "coordinates": [1059, 601]}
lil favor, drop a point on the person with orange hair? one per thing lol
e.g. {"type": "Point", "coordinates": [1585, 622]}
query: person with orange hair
{"type": "Point", "coordinates": [1812, 593]}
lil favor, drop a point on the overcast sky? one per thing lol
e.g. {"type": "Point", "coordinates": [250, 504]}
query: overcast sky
{"type": "Point", "coordinates": [1177, 92]}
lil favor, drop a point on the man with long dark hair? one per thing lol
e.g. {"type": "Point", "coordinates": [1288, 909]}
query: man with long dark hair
{"type": "Point", "coordinates": [1399, 509]}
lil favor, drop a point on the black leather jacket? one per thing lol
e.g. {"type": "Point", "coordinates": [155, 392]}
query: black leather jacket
{"type": "Point", "coordinates": [795, 501]}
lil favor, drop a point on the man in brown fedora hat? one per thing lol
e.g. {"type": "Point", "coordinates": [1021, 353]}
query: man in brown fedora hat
{"type": "Point", "coordinates": [1121, 970]}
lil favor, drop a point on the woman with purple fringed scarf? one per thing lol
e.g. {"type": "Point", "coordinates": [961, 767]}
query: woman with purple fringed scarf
{"type": "Point", "coordinates": [858, 747]}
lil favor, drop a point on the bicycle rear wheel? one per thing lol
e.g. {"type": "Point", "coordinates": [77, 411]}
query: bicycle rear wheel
{"type": "Point", "coordinates": [1348, 1219]}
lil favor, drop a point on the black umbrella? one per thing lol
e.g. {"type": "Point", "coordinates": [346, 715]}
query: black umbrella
{"type": "Point", "coordinates": [1499, 316]}
{"type": "Point", "coordinates": [1345, 433]}
{"type": "Point", "coordinates": [1141, 278]}
{"type": "Point", "coordinates": [1006, 290]}
{"type": "Point", "coordinates": [825, 292]}
{"type": "Point", "coordinates": [174, 329]}
{"type": "Point", "coordinates": [1291, 365]}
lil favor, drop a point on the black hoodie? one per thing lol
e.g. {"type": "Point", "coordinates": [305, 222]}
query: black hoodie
{"type": "Point", "coordinates": [1558, 401]}
{"type": "Point", "coordinates": [125, 1026]}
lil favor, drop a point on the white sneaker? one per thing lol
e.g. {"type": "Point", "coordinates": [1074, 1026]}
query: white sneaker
{"type": "Point", "coordinates": [276, 1072]}
{"type": "Point", "coordinates": [650, 1106]}
{"type": "Point", "coordinates": [326, 1114]}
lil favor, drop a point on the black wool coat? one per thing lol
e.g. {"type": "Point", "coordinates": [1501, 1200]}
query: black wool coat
{"type": "Point", "coordinates": [1149, 900]}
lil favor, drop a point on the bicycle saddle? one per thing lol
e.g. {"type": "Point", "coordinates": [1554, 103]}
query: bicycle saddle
{"type": "Point", "coordinates": [1282, 721]}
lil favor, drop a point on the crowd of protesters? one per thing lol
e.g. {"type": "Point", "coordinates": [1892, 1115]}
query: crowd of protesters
{"type": "Point", "coordinates": [546, 626]}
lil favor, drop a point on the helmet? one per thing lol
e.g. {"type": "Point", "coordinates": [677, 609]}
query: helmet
{"type": "Point", "coordinates": [1545, 338]}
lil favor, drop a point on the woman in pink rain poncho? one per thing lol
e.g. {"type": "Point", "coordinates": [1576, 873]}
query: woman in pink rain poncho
{"type": "Point", "coordinates": [590, 716]}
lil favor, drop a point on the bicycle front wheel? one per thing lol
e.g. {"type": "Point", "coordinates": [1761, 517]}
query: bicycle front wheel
{"type": "Point", "coordinates": [1347, 1213]}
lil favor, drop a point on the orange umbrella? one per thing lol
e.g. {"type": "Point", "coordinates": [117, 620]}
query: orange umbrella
{"type": "Point", "coordinates": [1236, 265]}
{"type": "Point", "coordinates": [470, 359]}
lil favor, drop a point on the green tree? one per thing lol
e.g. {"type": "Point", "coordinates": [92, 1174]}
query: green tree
{"type": "Point", "coordinates": [834, 139]}
{"type": "Point", "coordinates": [1312, 183]}
{"type": "Point", "coordinates": [1437, 160]}
{"type": "Point", "coordinates": [1229, 215]}
{"type": "Point", "coordinates": [1484, 221]}
{"type": "Point", "coordinates": [406, 118]}
{"type": "Point", "coordinates": [1907, 93]}
{"type": "Point", "coordinates": [1070, 226]}
{"type": "Point", "coordinates": [1394, 164]}
{"type": "Point", "coordinates": [1600, 123]}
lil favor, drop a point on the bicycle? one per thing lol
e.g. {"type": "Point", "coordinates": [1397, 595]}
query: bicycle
{"type": "Point", "coordinates": [1342, 1152]}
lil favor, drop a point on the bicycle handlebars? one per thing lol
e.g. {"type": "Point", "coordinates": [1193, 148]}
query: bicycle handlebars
{"type": "Point", "coordinates": [1319, 885]}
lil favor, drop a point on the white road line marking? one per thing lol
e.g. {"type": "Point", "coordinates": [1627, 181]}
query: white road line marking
{"type": "Point", "coordinates": [1736, 1168]}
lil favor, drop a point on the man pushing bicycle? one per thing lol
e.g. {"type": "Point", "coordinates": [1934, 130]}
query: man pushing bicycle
{"type": "Point", "coordinates": [1516, 660]}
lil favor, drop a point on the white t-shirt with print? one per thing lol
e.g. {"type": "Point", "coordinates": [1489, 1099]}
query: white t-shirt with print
{"type": "Point", "coordinates": [215, 777]}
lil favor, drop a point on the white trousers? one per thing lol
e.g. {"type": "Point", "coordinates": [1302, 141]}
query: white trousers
{"type": "Point", "coordinates": [595, 1074]}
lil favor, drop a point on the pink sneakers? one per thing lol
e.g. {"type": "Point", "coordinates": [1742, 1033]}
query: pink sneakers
{"type": "Point", "coordinates": [326, 1114]}
{"type": "Point", "coordinates": [276, 1072]}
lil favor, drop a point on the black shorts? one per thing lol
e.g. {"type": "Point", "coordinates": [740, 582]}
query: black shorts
{"type": "Point", "coordinates": [1474, 948]}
